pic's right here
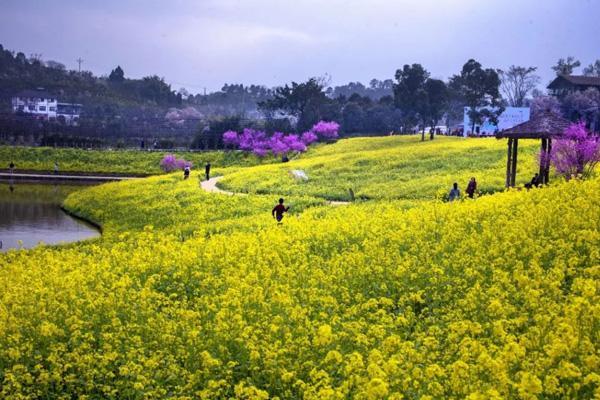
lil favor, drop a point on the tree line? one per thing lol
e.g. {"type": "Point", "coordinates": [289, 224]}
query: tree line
{"type": "Point", "coordinates": [117, 108]}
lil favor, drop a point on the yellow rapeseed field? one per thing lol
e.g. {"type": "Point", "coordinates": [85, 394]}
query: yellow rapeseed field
{"type": "Point", "coordinates": [397, 167]}
{"type": "Point", "coordinates": [195, 295]}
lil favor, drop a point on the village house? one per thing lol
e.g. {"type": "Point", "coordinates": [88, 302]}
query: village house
{"type": "Point", "coordinates": [44, 105]}
{"type": "Point", "coordinates": [562, 85]}
{"type": "Point", "coordinates": [36, 102]}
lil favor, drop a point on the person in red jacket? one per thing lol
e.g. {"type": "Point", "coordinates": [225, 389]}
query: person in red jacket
{"type": "Point", "coordinates": [278, 211]}
{"type": "Point", "coordinates": [471, 188]}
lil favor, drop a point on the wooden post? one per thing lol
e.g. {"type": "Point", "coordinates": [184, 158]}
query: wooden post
{"type": "Point", "coordinates": [547, 171]}
{"type": "Point", "coordinates": [543, 161]}
{"type": "Point", "coordinates": [508, 162]}
{"type": "Point", "coordinates": [514, 163]}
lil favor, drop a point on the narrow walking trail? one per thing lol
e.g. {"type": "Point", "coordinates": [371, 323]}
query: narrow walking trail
{"type": "Point", "coordinates": [211, 187]}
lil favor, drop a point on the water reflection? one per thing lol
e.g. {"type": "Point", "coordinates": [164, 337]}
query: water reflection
{"type": "Point", "coordinates": [30, 214]}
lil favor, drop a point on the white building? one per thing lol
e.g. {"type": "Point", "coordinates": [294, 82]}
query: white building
{"type": "Point", "coordinates": [69, 112]}
{"type": "Point", "coordinates": [37, 102]}
{"type": "Point", "coordinates": [510, 117]}
{"type": "Point", "coordinates": [44, 105]}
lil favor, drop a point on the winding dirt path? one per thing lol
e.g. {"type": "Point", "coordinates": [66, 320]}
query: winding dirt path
{"type": "Point", "coordinates": [211, 187]}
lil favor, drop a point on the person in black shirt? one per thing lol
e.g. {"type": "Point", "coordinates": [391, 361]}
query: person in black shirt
{"type": "Point", "coordinates": [278, 211]}
{"type": "Point", "coordinates": [207, 170]}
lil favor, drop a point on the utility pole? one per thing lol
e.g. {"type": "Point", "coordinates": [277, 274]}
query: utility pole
{"type": "Point", "coordinates": [79, 61]}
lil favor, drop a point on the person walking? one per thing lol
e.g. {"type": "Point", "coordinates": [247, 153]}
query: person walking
{"type": "Point", "coordinates": [454, 192]}
{"type": "Point", "coordinates": [55, 168]}
{"type": "Point", "coordinates": [471, 188]}
{"type": "Point", "coordinates": [207, 170]}
{"type": "Point", "coordinates": [11, 167]}
{"type": "Point", "coordinates": [186, 172]}
{"type": "Point", "coordinates": [278, 211]}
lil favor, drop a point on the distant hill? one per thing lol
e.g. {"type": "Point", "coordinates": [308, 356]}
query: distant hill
{"type": "Point", "coordinates": [17, 72]}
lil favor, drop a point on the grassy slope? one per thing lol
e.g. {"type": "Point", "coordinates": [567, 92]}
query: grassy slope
{"type": "Point", "coordinates": [176, 206]}
{"type": "Point", "coordinates": [111, 161]}
{"type": "Point", "coordinates": [399, 167]}
{"type": "Point", "coordinates": [215, 300]}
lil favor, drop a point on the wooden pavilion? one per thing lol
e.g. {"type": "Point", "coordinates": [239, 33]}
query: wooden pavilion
{"type": "Point", "coordinates": [545, 126]}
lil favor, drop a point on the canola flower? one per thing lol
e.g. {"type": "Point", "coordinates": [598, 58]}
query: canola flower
{"type": "Point", "coordinates": [197, 295]}
{"type": "Point", "coordinates": [397, 167]}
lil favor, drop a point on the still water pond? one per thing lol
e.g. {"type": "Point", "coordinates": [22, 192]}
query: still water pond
{"type": "Point", "coordinates": [30, 214]}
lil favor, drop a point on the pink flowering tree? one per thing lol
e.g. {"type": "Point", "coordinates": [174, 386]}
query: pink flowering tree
{"type": "Point", "coordinates": [309, 138]}
{"type": "Point", "coordinates": [280, 144]}
{"type": "Point", "coordinates": [171, 163]}
{"type": "Point", "coordinates": [294, 143]}
{"type": "Point", "coordinates": [326, 130]}
{"type": "Point", "coordinates": [231, 138]}
{"type": "Point", "coordinates": [576, 153]}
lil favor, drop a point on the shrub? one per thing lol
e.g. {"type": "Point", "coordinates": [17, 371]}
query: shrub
{"type": "Point", "coordinates": [326, 130]}
{"type": "Point", "coordinates": [171, 163]}
{"type": "Point", "coordinates": [576, 153]}
{"type": "Point", "coordinates": [280, 144]}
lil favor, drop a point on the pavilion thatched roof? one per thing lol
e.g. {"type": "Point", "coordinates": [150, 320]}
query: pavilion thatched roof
{"type": "Point", "coordinates": [542, 125]}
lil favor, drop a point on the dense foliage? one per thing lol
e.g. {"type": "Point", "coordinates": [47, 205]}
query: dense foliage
{"type": "Point", "coordinates": [421, 99]}
{"type": "Point", "coordinates": [576, 153]}
{"type": "Point", "coordinates": [125, 112]}
{"type": "Point", "coordinates": [305, 101]}
{"type": "Point", "coordinates": [479, 88]}
{"type": "Point", "coordinates": [280, 144]}
{"type": "Point", "coordinates": [20, 72]}
{"type": "Point", "coordinates": [375, 90]}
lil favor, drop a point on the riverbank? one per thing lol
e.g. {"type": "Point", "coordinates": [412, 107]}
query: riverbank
{"type": "Point", "coordinates": [59, 178]}
{"type": "Point", "coordinates": [31, 214]}
{"type": "Point", "coordinates": [124, 162]}
{"type": "Point", "coordinates": [76, 172]}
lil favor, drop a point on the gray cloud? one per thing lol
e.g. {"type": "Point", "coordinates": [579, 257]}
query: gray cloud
{"type": "Point", "coordinates": [207, 43]}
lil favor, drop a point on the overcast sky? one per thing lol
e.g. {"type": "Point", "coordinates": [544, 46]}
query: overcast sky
{"type": "Point", "coordinates": [205, 43]}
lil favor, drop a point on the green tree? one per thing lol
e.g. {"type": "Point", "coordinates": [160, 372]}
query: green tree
{"type": "Point", "coordinates": [517, 83]}
{"type": "Point", "coordinates": [409, 92]}
{"type": "Point", "coordinates": [592, 69]}
{"type": "Point", "coordinates": [479, 88]}
{"type": "Point", "coordinates": [306, 101]}
{"type": "Point", "coordinates": [157, 90]}
{"type": "Point", "coordinates": [117, 75]}
{"type": "Point", "coordinates": [436, 104]}
{"type": "Point", "coordinates": [353, 117]}
{"type": "Point", "coordinates": [566, 66]}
